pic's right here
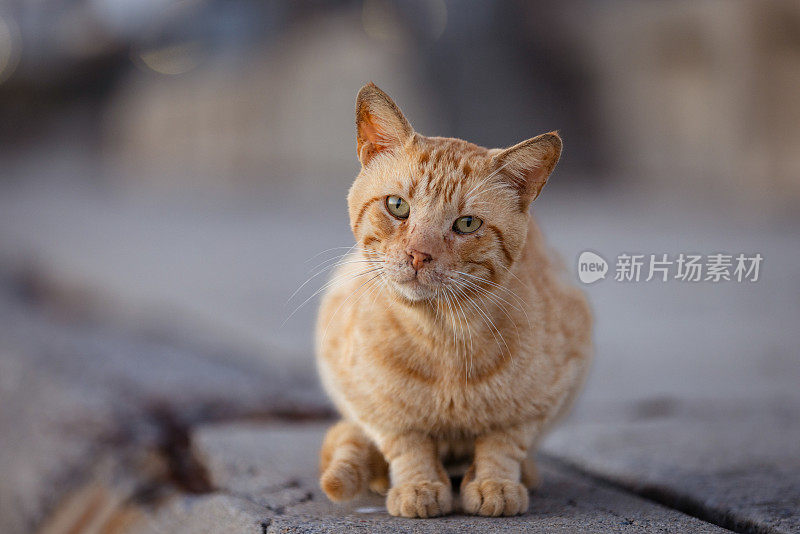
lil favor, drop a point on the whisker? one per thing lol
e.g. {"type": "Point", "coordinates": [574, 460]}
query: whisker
{"type": "Point", "coordinates": [337, 264]}
{"type": "Point", "coordinates": [491, 298]}
{"type": "Point", "coordinates": [496, 285]}
{"type": "Point", "coordinates": [334, 260]}
{"type": "Point", "coordinates": [489, 177]}
{"type": "Point", "coordinates": [318, 254]}
{"type": "Point", "coordinates": [514, 275]}
{"type": "Point", "coordinates": [493, 285]}
{"type": "Point", "coordinates": [309, 279]}
{"type": "Point", "coordinates": [388, 289]}
{"type": "Point", "coordinates": [326, 269]}
{"type": "Point", "coordinates": [452, 321]}
{"type": "Point", "coordinates": [488, 293]}
{"type": "Point", "coordinates": [491, 331]}
{"type": "Point", "coordinates": [466, 323]}
{"type": "Point", "coordinates": [493, 328]}
{"type": "Point", "coordinates": [469, 331]}
{"type": "Point", "coordinates": [342, 278]}
{"type": "Point", "coordinates": [325, 332]}
{"type": "Point", "coordinates": [350, 253]}
{"type": "Point", "coordinates": [493, 188]}
{"type": "Point", "coordinates": [450, 295]}
{"type": "Point", "coordinates": [460, 324]}
{"type": "Point", "coordinates": [348, 262]}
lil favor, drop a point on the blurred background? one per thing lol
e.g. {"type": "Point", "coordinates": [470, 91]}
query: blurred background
{"type": "Point", "coordinates": [170, 173]}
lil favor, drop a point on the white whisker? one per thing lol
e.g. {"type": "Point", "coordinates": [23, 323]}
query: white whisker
{"type": "Point", "coordinates": [452, 320]}
{"type": "Point", "coordinates": [318, 254]}
{"type": "Point", "coordinates": [342, 278]}
{"type": "Point", "coordinates": [328, 268]}
{"type": "Point", "coordinates": [516, 297]}
{"type": "Point", "coordinates": [491, 297]}
{"type": "Point", "coordinates": [325, 332]}
{"type": "Point", "coordinates": [493, 328]}
{"type": "Point", "coordinates": [493, 188]}
{"type": "Point", "coordinates": [489, 177]}
{"type": "Point", "coordinates": [489, 294]}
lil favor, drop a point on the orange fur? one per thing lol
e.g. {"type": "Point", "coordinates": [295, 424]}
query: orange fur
{"type": "Point", "coordinates": [469, 354]}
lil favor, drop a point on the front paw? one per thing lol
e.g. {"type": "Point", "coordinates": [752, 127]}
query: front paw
{"type": "Point", "coordinates": [494, 497]}
{"type": "Point", "coordinates": [424, 499]}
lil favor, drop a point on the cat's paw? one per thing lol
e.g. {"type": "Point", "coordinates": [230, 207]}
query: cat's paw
{"type": "Point", "coordinates": [342, 481]}
{"type": "Point", "coordinates": [494, 497]}
{"type": "Point", "coordinates": [424, 499]}
{"type": "Point", "coordinates": [380, 485]}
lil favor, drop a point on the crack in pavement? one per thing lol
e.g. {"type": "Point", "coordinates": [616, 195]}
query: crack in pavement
{"type": "Point", "coordinates": [667, 498]}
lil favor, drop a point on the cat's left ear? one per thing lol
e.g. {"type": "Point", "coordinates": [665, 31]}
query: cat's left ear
{"type": "Point", "coordinates": [529, 164]}
{"type": "Point", "coordinates": [379, 122]}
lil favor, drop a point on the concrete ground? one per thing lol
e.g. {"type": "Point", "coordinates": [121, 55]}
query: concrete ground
{"type": "Point", "coordinates": [149, 376]}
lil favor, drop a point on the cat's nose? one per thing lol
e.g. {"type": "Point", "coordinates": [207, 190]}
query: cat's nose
{"type": "Point", "coordinates": [418, 258]}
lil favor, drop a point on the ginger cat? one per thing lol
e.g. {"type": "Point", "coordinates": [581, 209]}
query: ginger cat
{"type": "Point", "coordinates": [450, 334]}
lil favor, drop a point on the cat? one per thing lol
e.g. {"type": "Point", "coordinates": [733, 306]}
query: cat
{"type": "Point", "coordinates": [448, 333]}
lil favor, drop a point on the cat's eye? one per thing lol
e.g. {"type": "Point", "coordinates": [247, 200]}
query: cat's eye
{"type": "Point", "coordinates": [467, 224]}
{"type": "Point", "coordinates": [397, 207]}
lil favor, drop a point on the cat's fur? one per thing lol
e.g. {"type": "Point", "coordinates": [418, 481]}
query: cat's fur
{"type": "Point", "coordinates": [426, 363]}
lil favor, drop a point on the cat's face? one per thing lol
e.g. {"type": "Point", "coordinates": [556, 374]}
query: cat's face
{"type": "Point", "coordinates": [432, 212]}
{"type": "Point", "coordinates": [440, 216]}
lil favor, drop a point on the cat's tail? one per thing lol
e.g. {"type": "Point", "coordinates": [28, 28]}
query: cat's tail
{"type": "Point", "coordinates": [350, 462]}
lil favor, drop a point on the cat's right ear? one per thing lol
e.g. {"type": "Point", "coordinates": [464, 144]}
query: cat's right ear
{"type": "Point", "coordinates": [380, 124]}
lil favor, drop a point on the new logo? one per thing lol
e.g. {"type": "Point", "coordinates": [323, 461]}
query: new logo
{"type": "Point", "coordinates": [591, 267]}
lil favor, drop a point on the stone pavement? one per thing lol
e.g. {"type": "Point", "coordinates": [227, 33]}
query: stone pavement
{"type": "Point", "coordinates": [136, 335]}
{"type": "Point", "coordinates": [265, 477]}
{"type": "Point", "coordinates": [84, 402]}
{"type": "Point", "coordinates": [734, 464]}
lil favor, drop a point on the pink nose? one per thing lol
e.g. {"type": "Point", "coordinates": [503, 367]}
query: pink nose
{"type": "Point", "coordinates": [418, 258]}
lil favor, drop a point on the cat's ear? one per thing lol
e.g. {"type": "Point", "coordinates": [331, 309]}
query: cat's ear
{"type": "Point", "coordinates": [529, 164]}
{"type": "Point", "coordinates": [380, 124]}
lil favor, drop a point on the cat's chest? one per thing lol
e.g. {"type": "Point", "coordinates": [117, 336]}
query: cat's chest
{"type": "Point", "coordinates": [460, 408]}
{"type": "Point", "coordinates": [446, 400]}
{"type": "Point", "coordinates": [418, 382]}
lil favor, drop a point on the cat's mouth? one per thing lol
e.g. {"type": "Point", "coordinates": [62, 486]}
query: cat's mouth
{"type": "Point", "coordinates": [414, 290]}
{"type": "Point", "coordinates": [417, 286]}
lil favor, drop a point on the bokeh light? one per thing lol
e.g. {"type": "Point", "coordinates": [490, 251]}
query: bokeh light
{"type": "Point", "coordinates": [172, 59]}
{"type": "Point", "coordinates": [10, 45]}
{"type": "Point", "coordinates": [382, 21]}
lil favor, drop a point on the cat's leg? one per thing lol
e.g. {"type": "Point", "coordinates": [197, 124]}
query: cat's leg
{"type": "Point", "coordinates": [420, 485]}
{"type": "Point", "coordinates": [349, 461]}
{"type": "Point", "coordinates": [492, 484]}
{"type": "Point", "coordinates": [530, 473]}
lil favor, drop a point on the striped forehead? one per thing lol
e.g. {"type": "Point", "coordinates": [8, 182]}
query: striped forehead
{"type": "Point", "coordinates": [443, 170]}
